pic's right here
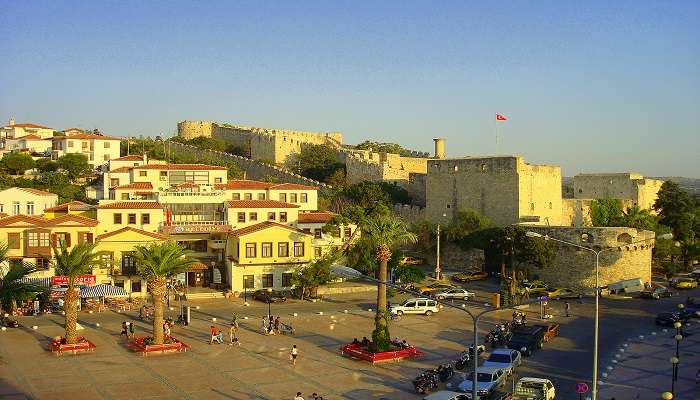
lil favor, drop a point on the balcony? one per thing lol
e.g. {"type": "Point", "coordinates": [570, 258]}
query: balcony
{"type": "Point", "coordinates": [192, 194]}
{"type": "Point", "coordinates": [184, 227]}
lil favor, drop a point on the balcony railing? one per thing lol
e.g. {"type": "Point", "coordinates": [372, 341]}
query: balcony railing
{"type": "Point", "coordinates": [194, 227]}
{"type": "Point", "coordinates": [192, 194]}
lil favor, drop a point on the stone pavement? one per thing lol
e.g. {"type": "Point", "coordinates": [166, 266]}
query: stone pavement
{"type": "Point", "coordinates": [641, 367]}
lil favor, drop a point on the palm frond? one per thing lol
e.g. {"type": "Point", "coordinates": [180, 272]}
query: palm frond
{"type": "Point", "coordinates": [162, 260]}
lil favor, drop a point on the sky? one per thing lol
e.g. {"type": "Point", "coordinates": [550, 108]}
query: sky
{"type": "Point", "coordinates": [593, 86]}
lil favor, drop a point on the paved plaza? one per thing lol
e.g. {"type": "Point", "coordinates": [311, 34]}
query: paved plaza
{"type": "Point", "coordinates": [261, 367]}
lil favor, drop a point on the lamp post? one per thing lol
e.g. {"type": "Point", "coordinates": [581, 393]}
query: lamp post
{"type": "Point", "coordinates": [530, 234]}
{"type": "Point", "coordinates": [674, 377]}
{"type": "Point", "coordinates": [355, 274]}
{"type": "Point", "coordinates": [437, 255]}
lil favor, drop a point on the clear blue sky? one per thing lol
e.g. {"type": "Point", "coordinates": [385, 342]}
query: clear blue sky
{"type": "Point", "coordinates": [590, 85]}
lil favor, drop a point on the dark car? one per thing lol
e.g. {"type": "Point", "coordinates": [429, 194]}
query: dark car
{"type": "Point", "coordinates": [670, 318]}
{"type": "Point", "coordinates": [529, 338]}
{"type": "Point", "coordinates": [269, 297]}
{"type": "Point", "coordinates": [655, 293]}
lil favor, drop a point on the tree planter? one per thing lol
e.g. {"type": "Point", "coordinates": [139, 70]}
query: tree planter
{"type": "Point", "coordinates": [83, 345]}
{"type": "Point", "coordinates": [362, 353]}
{"type": "Point", "coordinates": [139, 345]}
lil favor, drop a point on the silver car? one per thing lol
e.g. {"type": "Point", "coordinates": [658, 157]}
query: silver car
{"type": "Point", "coordinates": [487, 381]}
{"type": "Point", "coordinates": [505, 359]}
{"type": "Point", "coordinates": [461, 294]}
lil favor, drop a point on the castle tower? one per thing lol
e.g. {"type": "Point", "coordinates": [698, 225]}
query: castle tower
{"type": "Point", "coordinates": [439, 148]}
{"type": "Point", "coordinates": [12, 121]}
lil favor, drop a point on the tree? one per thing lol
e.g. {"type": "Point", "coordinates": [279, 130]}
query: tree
{"type": "Point", "coordinates": [606, 212]}
{"type": "Point", "coordinates": [681, 213]}
{"type": "Point", "coordinates": [76, 165]}
{"type": "Point", "coordinates": [317, 161]}
{"type": "Point", "coordinates": [73, 263]}
{"type": "Point", "coordinates": [17, 163]}
{"type": "Point", "coordinates": [465, 222]}
{"type": "Point", "coordinates": [11, 289]}
{"type": "Point", "coordinates": [635, 217]}
{"type": "Point", "coordinates": [46, 165]}
{"type": "Point", "coordinates": [367, 195]}
{"type": "Point", "coordinates": [409, 274]}
{"type": "Point", "coordinates": [158, 263]}
{"type": "Point", "coordinates": [426, 234]}
{"type": "Point", "coordinates": [385, 232]}
{"type": "Point", "coordinates": [309, 277]}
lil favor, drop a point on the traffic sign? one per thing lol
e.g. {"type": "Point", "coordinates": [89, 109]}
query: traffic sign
{"type": "Point", "coordinates": [581, 387]}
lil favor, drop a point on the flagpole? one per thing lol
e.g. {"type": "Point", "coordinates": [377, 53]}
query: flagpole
{"type": "Point", "coordinates": [495, 121]}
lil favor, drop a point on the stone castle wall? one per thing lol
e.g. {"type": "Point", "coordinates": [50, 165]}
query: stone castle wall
{"type": "Point", "coordinates": [629, 186]}
{"type": "Point", "coordinates": [408, 213]}
{"type": "Point", "coordinates": [577, 212]}
{"type": "Point", "coordinates": [575, 268]}
{"type": "Point", "coordinates": [192, 129]}
{"type": "Point", "coordinates": [539, 193]}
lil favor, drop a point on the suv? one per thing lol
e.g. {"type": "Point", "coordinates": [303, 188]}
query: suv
{"type": "Point", "coordinates": [527, 339]}
{"type": "Point", "coordinates": [418, 305]}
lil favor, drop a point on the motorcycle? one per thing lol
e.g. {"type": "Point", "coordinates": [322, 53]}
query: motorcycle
{"type": "Point", "coordinates": [463, 360]}
{"type": "Point", "coordinates": [9, 322]}
{"type": "Point", "coordinates": [426, 382]}
{"type": "Point", "coordinates": [445, 372]}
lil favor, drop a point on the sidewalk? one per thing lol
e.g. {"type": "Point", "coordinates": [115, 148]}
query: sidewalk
{"type": "Point", "coordinates": [641, 368]}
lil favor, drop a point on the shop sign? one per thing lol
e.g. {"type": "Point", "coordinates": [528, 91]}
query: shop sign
{"type": "Point", "coordinates": [79, 280]}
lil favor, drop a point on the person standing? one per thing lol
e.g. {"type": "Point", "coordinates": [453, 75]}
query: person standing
{"type": "Point", "coordinates": [298, 396]}
{"type": "Point", "coordinates": [131, 330]}
{"type": "Point", "coordinates": [124, 331]}
{"type": "Point", "coordinates": [166, 329]}
{"type": "Point", "coordinates": [263, 326]}
{"type": "Point", "coordinates": [232, 330]}
{"type": "Point", "coordinates": [277, 325]}
{"type": "Point", "coordinates": [294, 354]}
{"type": "Point", "coordinates": [567, 307]}
{"type": "Point", "coordinates": [213, 333]}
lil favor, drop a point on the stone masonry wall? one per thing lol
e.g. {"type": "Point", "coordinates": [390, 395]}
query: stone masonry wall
{"type": "Point", "coordinates": [627, 186]}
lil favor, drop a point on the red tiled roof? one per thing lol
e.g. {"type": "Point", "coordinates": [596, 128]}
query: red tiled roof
{"type": "Point", "coordinates": [31, 220]}
{"type": "Point", "coordinates": [37, 192]}
{"type": "Point", "coordinates": [134, 185]}
{"type": "Point", "coordinates": [30, 137]}
{"type": "Point", "coordinates": [134, 205]}
{"type": "Point", "coordinates": [72, 205]}
{"type": "Point", "coordinates": [121, 169]}
{"type": "Point", "coordinates": [3, 215]}
{"type": "Point", "coordinates": [28, 125]}
{"type": "Point", "coordinates": [315, 217]}
{"type": "Point", "coordinates": [243, 184]}
{"type": "Point", "coordinates": [131, 157]}
{"type": "Point", "coordinates": [292, 186]}
{"type": "Point", "coordinates": [45, 222]}
{"type": "Point", "coordinates": [129, 229]}
{"type": "Point", "coordinates": [86, 136]}
{"type": "Point", "coordinates": [180, 167]}
{"type": "Point", "coordinates": [262, 226]}
{"type": "Point", "coordinates": [259, 204]}
{"type": "Point", "coordinates": [82, 221]}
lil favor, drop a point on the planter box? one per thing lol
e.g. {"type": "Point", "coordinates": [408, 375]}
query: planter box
{"type": "Point", "coordinates": [362, 353]}
{"type": "Point", "coordinates": [137, 345]}
{"type": "Point", "coordinates": [83, 345]}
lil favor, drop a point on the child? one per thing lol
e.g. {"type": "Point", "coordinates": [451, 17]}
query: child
{"type": "Point", "coordinates": [212, 331]}
{"type": "Point", "coordinates": [131, 330]}
{"type": "Point", "coordinates": [294, 354]}
{"type": "Point", "coordinates": [219, 337]}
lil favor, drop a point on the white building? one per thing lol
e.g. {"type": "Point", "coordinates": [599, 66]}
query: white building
{"type": "Point", "coordinates": [26, 201]}
{"type": "Point", "coordinates": [98, 149]}
{"type": "Point", "coordinates": [13, 130]}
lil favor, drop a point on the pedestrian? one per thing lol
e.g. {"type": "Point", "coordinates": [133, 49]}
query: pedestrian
{"type": "Point", "coordinates": [232, 330]}
{"type": "Point", "coordinates": [212, 331]}
{"type": "Point", "coordinates": [219, 337]}
{"type": "Point", "coordinates": [277, 324]}
{"type": "Point", "coordinates": [166, 329]}
{"type": "Point", "coordinates": [124, 332]}
{"type": "Point", "coordinates": [314, 396]}
{"type": "Point", "coordinates": [298, 396]}
{"type": "Point", "coordinates": [567, 307]}
{"type": "Point", "coordinates": [131, 330]}
{"type": "Point", "coordinates": [263, 326]}
{"type": "Point", "coordinates": [294, 354]}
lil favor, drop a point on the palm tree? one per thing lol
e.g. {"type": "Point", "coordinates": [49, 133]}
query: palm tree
{"type": "Point", "coordinates": [73, 263]}
{"type": "Point", "coordinates": [639, 218]}
{"type": "Point", "coordinates": [11, 289]}
{"type": "Point", "coordinates": [385, 232]}
{"type": "Point", "coordinates": [156, 264]}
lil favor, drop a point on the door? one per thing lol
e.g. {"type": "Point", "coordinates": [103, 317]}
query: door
{"type": "Point", "coordinates": [192, 279]}
{"type": "Point", "coordinates": [420, 307]}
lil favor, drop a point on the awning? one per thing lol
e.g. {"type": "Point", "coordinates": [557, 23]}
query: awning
{"type": "Point", "coordinates": [43, 282]}
{"type": "Point", "coordinates": [102, 291]}
{"type": "Point", "coordinates": [198, 266]}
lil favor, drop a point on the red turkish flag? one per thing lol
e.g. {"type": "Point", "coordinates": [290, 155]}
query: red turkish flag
{"type": "Point", "coordinates": [500, 117]}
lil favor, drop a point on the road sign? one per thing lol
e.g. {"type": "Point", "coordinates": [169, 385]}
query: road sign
{"type": "Point", "coordinates": [581, 387]}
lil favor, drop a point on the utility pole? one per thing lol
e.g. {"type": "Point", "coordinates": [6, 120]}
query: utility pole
{"type": "Point", "coordinates": [437, 256]}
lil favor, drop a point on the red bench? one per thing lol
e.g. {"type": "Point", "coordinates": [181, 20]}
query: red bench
{"type": "Point", "coordinates": [362, 353]}
{"type": "Point", "coordinates": [58, 348]}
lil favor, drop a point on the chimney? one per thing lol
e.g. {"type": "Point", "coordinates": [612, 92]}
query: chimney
{"type": "Point", "coordinates": [439, 148]}
{"type": "Point", "coordinates": [12, 121]}
{"type": "Point", "coordinates": [145, 158]}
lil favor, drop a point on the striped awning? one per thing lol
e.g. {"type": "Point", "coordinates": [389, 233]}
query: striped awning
{"type": "Point", "coordinates": [43, 282]}
{"type": "Point", "coordinates": [102, 291]}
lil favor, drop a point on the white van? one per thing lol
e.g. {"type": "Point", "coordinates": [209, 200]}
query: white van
{"type": "Point", "coordinates": [626, 286]}
{"type": "Point", "coordinates": [418, 305]}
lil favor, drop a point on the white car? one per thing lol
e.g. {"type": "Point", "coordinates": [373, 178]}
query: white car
{"type": "Point", "coordinates": [446, 395]}
{"type": "Point", "coordinates": [461, 294]}
{"type": "Point", "coordinates": [505, 359]}
{"type": "Point", "coordinates": [418, 305]}
{"type": "Point", "coordinates": [487, 381]}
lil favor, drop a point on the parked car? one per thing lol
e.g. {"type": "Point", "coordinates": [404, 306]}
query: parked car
{"type": "Point", "coordinates": [409, 260]}
{"type": "Point", "coordinates": [564, 293]}
{"type": "Point", "coordinates": [487, 381]}
{"type": "Point", "coordinates": [626, 286]}
{"type": "Point", "coordinates": [669, 318]}
{"type": "Point", "coordinates": [461, 294]}
{"type": "Point", "coordinates": [527, 339]}
{"type": "Point", "coordinates": [434, 288]}
{"type": "Point", "coordinates": [269, 297]}
{"type": "Point", "coordinates": [536, 288]}
{"type": "Point", "coordinates": [695, 274]}
{"type": "Point", "coordinates": [418, 305]}
{"type": "Point", "coordinates": [534, 388]}
{"type": "Point", "coordinates": [655, 293]}
{"type": "Point", "coordinates": [684, 283]}
{"type": "Point", "coordinates": [446, 395]}
{"type": "Point", "coordinates": [505, 359]}
{"type": "Point", "coordinates": [469, 276]}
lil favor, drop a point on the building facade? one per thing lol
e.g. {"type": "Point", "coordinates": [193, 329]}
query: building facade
{"type": "Point", "coordinates": [641, 191]}
{"type": "Point", "coordinates": [26, 201]}
{"type": "Point", "coordinates": [98, 149]}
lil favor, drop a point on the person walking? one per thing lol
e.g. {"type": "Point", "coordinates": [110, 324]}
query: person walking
{"type": "Point", "coordinates": [213, 333]}
{"type": "Point", "coordinates": [263, 326]}
{"type": "Point", "coordinates": [125, 331]}
{"type": "Point", "coordinates": [232, 330]}
{"type": "Point", "coordinates": [567, 307]}
{"type": "Point", "coordinates": [277, 324]}
{"type": "Point", "coordinates": [294, 354]}
{"type": "Point", "coordinates": [298, 396]}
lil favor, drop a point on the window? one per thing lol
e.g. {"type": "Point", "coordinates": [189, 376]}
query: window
{"type": "Point", "coordinates": [13, 240]}
{"type": "Point", "coordinates": [347, 232]}
{"type": "Point", "coordinates": [261, 196]}
{"type": "Point", "coordinates": [70, 143]}
{"type": "Point", "coordinates": [248, 196]}
{"type": "Point", "coordinates": [143, 173]}
{"type": "Point", "coordinates": [283, 216]}
{"type": "Point", "coordinates": [85, 145]}
{"type": "Point", "coordinates": [114, 182]}
{"type": "Point", "coordinates": [253, 216]}
{"type": "Point", "coordinates": [107, 144]}
{"type": "Point", "coordinates": [117, 218]}
{"type": "Point", "coordinates": [84, 237]}
{"type": "Point", "coordinates": [249, 281]}
{"type": "Point", "coordinates": [38, 239]}
{"type": "Point", "coordinates": [241, 217]}
{"type": "Point", "coordinates": [266, 249]}
{"type": "Point", "coordinates": [15, 208]}
{"type": "Point", "coordinates": [271, 216]}
{"type": "Point", "coordinates": [145, 219]}
{"type": "Point", "coordinates": [292, 197]}
{"type": "Point", "coordinates": [283, 197]}
{"type": "Point", "coordinates": [30, 208]}
{"type": "Point", "coordinates": [250, 250]}
{"type": "Point", "coordinates": [336, 232]}
{"type": "Point", "coordinates": [318, 232]}
{"type": "Point", "coordinates": [125, 196]}
{"type": "Point", "coordinates": [283, 249]}
{"type": "Point", "coordinates": [236, 196]}
{"type": "Point", "coordinates": [42, 263]}
{"type": "Point", "coordinates": [218, 180]}
{"type": "Point", "coordinates": [63, 238]}
{"type": "Point", "coordinates": [132, 218]}
{"type": "Point", "coordinates": [106, 260]}
{"type": "Point", "coordinates": [298, 249]}
{"type": "Point", "coordinates": [200, 246]}
{"type": "Point", "coordinates": [128, 262]}
{"type": "Point", "coordinates": [307, 230]}
{"type": "Point", "coordinates": [287, 279]}
{"type": "Point", "coordinates": [267, 280]}
{"type": "Point", "coordinates": [136, 286]}
{"type": "Point", "coordinates": [199, 177]}
{"type": "Point", "coordinates": [317, 252]}
{"type": "Point", "coordinates": [304, 197]}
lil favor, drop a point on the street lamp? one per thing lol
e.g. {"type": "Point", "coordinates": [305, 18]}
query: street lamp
{"type": "Point", "coordinates": [352, 273]}
{"type": "Point", "coordinates": [666, 396]}
{"type": "Point", "coordinates": [437, 255]}
{"type": "Point", "coordinates": [531, 234]}
{"type": "Point", "coordinates": [674, 361]}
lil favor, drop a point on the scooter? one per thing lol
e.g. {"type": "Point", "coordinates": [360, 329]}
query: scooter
{"type": "Point", "coordinates": [445, 372]}
{"type": "Point", "coordinates": [426, 382]}
{"type": "Point", "coordinates": [463, 360]}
